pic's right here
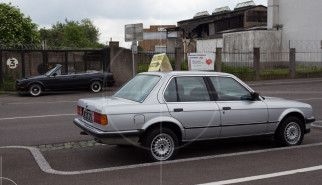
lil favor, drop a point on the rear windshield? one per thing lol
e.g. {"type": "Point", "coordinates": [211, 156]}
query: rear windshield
{"type": "Point", "coordinates": [138, 88]}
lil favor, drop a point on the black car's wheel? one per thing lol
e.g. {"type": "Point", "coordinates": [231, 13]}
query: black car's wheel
{"type": "Point", "coordinates": [35, 90]}
{"type": "Point", "coordinates": [161, 144]}
{"type": "Point", "coordinates": [290, 132]}
{"type": "Point", "coordinates": [95, 86]}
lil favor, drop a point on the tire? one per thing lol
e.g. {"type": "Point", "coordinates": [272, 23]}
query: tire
{"type": "Point", "coordinates": [95, 86]}
{"type": "Point", "coordinates": [160, 144]}
{"type": "Point", "coordinates": [35, 90]}
{"type": "Point", "coordinates": [290, 132]}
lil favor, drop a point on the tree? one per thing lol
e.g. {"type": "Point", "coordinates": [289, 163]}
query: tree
{"type": "Point", "coordinates": [15, 28]}
{"type": "Point", "coordinates": [81, 34]}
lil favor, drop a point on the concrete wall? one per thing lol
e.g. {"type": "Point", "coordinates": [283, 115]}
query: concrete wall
{"type": "Point", "coordinates": [121, 65]}
{"type": "Point", "coordinates": [299, 20]}
{"type": "Point", "coordinates": [206, 46]}
{"type": "Point", "coordinates": [246, 41]}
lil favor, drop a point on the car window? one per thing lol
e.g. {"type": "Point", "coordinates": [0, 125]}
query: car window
{"type": "Point", "coordinates": [138, 88]}
{"type": "Point", "coordinates": [229, 89]}
{"type": "Point", "coordinates": [170, 94]}
{"type": "Point", "coordinates": [189, 89]}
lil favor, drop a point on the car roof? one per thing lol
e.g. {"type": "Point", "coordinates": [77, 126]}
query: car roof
{"type": "Point", "coordinates": [174, 73]}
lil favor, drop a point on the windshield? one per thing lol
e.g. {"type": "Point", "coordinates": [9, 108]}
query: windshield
{"type": "Point", "coordinates": [51, 70]}
{"type": "Point", "coordinates": [138, 88]}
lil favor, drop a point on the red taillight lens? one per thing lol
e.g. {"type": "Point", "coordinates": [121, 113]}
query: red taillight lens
{"type": "Point", "coordinates": [100, 118]}
{"type": "Point", "coordinates": [79, 110]}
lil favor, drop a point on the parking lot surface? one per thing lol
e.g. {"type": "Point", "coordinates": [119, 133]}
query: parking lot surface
{"type": "Point", "coordinates": [39, 144]}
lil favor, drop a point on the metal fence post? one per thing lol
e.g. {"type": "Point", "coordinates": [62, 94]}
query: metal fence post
{"type": "Point", "coordinates": [292, 62]}
{"type": "Point", "coordinates": [23, 64]}
{"type": "Point", "coordinates": [178, 59]}
{"type": "Point", "coordinates": [66, 62]}
{"type": "Point", "coordinates": [218, 59]}
{"type": "Point", "coordinates": [256, 65]}
{"type": "Point", "coordinates": [1, 76]}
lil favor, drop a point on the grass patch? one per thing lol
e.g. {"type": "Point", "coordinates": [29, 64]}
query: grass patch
{"type": "Point", "coordinates": [8, 84]}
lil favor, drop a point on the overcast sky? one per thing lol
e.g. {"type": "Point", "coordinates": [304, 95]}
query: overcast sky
{"type": "Point", "coordinates": [110, 16]}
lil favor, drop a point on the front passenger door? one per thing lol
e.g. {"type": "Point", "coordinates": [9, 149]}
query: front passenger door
{"type": "Point", "coordinates": [240, 116]}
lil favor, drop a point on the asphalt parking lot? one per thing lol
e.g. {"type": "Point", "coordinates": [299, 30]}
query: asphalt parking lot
{"type": "Point", "coordinates": [39, 144]}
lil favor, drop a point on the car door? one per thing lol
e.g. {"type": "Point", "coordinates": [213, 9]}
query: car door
{"type": "Point", "coordinates": [189, 101]}
{"type": "Point", "coordinates": [240, 115]}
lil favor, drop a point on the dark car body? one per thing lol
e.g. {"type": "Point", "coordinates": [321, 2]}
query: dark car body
{"type": "Point", "coordinates": [54, 79]}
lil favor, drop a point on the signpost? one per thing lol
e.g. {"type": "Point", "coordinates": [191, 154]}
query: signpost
{"type": "Point", "coordinates": [201, 61]}
{"type": "Point", "coordinates": [133, 33]}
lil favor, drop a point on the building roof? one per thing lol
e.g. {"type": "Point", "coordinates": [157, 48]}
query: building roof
{"type": "Point", "coordinates": [214, 15]}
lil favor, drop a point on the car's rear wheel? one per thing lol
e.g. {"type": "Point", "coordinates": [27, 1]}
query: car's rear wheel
{"type": "Point", "coordinates": [96, 86]}
{"type": "Point", "coordinates": [290, 132]}
{"type": "Point", "coordinates": [161, 144]}
{"type": "Point", "coordinates": [35, 90]}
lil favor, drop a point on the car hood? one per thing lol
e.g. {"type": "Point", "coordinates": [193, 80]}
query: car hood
{"type": "Point", "coordinates": [33, 78]}
{"type": "Point", "coordinates": [273, 102]}
{"type": "Point", "coordinates": [97, 104]}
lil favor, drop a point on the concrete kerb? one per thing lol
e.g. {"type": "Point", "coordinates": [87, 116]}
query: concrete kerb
{"type": "Point", "coordinates": [45, 166]}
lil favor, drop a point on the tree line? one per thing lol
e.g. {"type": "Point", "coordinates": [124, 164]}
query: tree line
{"type": "Point", "coordinates": [18, 29]}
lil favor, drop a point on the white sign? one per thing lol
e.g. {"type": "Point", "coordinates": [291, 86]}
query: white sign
{"type": "Point", "coordinates": [12, 63]}
{"type": "Point", "coordinates": [133, 32]}
{"type": "Point", "coordinates": [201, 61]}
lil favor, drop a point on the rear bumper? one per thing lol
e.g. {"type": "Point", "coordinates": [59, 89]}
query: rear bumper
{"type": "Point", "coordinates": [108, 137]}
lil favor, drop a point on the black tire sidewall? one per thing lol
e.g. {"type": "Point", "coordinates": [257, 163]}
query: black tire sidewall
{"type": "Point", "coordinates": [148, 138]}
{"type": "Point", "coordinates": [280, 136]}
{"type": "Point", "coordinates": [31, 86]}
{"type": "Point", "coordinates": [92, 84]}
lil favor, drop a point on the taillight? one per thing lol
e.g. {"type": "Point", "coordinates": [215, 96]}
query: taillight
{"type": "Point", "coordinates": [79, 110]}
{"type": "Point", "coordinates": [100, 118]}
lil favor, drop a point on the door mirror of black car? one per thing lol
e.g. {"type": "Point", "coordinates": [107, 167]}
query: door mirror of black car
{"type": "Point", "coordinates": [55, 74]}
{"type": "Point", "coordinates": [255, 96]}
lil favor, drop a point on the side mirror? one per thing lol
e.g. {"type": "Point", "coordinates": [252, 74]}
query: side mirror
{"type": "Point", "coordinates": [255, 96]}
{"type": "Point", "coordinates": [55, 74]}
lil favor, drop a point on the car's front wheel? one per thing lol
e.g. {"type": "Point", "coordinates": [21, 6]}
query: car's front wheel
{"type": "Point", "coordinates": [290, 132]}
{"type": "Point", "coordinates": [161, 144]}
{"type": "Point", "coordinates": [96, 86]}
{"type": "Point", "coordinates": [35, 90]}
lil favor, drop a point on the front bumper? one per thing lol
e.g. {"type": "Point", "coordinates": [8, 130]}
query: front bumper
{"type": "Point", "coordinates": [308, 122]}
{"type": "Point", "coordinates": [105, 136]}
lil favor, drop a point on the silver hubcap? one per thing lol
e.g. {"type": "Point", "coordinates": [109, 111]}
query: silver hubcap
{"type": "Point", "coordinates": [162, 147]}
{"type": "Point", "coordinates": [35, 90]}
{"type": "Point", "coordinates": [292, 133]}
{"type": "Point", "coordinates": [96, 87]}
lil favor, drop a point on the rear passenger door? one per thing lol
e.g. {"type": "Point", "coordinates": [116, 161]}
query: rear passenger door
{"type": "Point", "coordinates": [189, 101]}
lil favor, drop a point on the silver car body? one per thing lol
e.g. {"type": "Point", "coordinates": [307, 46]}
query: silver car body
{"type": "Point", "coordinates": [200, 120]}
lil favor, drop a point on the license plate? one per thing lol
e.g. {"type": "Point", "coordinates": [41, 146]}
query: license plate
{"type": "Point", "coordinates": [88, 115]}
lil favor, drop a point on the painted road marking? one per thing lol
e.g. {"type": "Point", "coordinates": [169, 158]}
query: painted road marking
{"type": "Point", "coordinates": [43, 116]}
{"type": "Point", "coordinates": [41, 102]}
{"type": "Point", "coordinates": [45, 167]}
{"type": "Point", "coordinates": [317, 126]}
{"type": "Point", "coordinates": [266, 176]}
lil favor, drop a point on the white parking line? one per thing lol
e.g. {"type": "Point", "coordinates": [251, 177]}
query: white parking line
{"type": "Point", "coordinates": [265, 176]}
{"type": "Point", "coordinates": [43, 116]}
{"type": "Point", "coordinates": [41, 102]}
{"type": "Point", "coordinates": [45, 167]}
